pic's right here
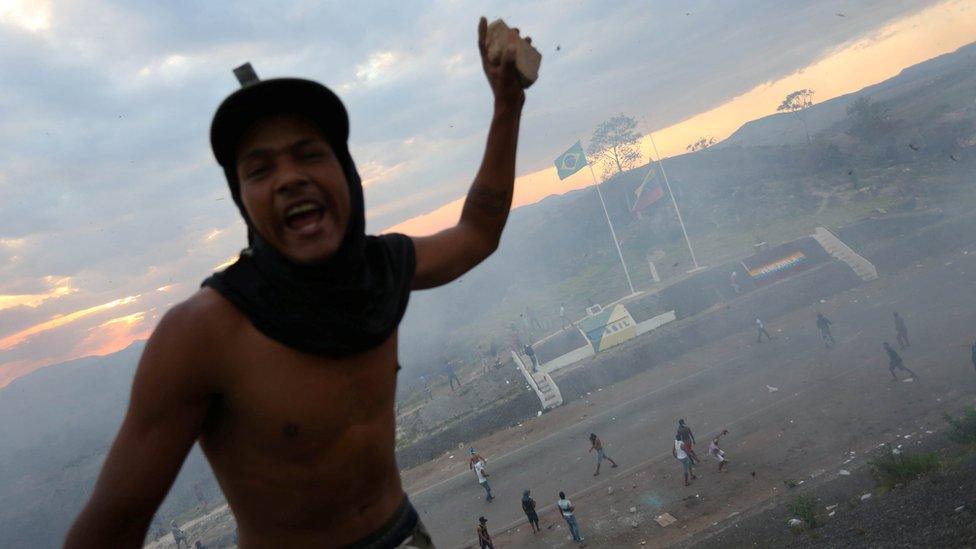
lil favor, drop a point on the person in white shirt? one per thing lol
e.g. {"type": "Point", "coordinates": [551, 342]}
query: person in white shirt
{"type": "Point", "coordinates": [479, 470]}
{"type": "Point", "coordinates": [718, 453]}
{"type": "Point", "coordinates": [678, 451]}
{"type": "Point", "coordinates": [568, 512]}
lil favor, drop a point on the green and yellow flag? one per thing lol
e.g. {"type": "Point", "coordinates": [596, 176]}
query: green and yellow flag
{"type": "Point", "coordinates": [570, 161]}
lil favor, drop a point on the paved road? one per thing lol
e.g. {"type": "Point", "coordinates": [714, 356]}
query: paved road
{"type": "Point", "coordinates": [724, 384]}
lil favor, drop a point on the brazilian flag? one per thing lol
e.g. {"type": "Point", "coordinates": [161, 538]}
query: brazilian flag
{"type": "Point", "coordinates": [570, 161]}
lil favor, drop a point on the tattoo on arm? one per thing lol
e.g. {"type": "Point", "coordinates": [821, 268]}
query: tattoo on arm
{"type": "Point", "coordinates": [491, 202]}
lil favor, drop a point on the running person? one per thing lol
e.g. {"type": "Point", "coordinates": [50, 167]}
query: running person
{"type": "Point", "coordinates": [895, 362]}
{"type": "Point", "coordinates": [823, 324]}
{"type": "Point", "coordinates": [595, 444]}
{"type": "Point", "coordinates": [716, 452]}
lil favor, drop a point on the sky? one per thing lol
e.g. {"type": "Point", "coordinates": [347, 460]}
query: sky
{"type": "Point", "coordinates": [112, 207]}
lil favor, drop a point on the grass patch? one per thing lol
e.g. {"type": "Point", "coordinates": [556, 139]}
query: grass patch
{"type": "Point", "coordinates": [805, 509]}
{"type": "Point", "coordinates": [962, 430]}
{"type": "Point", "coordinates": [891, 468]}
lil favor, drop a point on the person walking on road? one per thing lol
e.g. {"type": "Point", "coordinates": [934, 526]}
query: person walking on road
{"type": "Point", "coordinates": [716, 452]}
{"type": "Point", "coordinates": [684, 433]}
{"type": "Point", "coordinates": [902, 331]}
{"type": "Point", "coordinates": [895, 362]}
{"type": "Point", "coordinates": [528, 507]}
{"type": "Point", "coordinates": [595, 444]}
{"type": "Point", "coordinates": [761, 329]}
{"type": "Point", "coordinates": [823, 324]}
{"type": "Point", "coordinates": [679, 453]}
{"type": "Point", "coordinates": [569, 514]}
{"type": "Point", "coordinates": [484, 538]}
{"type": "Point", "coordinates": [482, 474]}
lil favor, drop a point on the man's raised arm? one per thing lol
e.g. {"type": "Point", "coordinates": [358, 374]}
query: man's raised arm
{"type": "Point", "coordinates": [444, 256]}
{"type": "Point", "coordinates": [166, 411]}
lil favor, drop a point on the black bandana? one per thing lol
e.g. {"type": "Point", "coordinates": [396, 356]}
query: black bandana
{"type": "Point", "coordinates": [352, 302]}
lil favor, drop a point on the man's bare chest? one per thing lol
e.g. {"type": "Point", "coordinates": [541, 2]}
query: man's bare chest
{"type": "Point", "coordinates": [277, 398]}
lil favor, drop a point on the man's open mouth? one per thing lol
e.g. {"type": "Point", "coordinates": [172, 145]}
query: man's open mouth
{"type": "Point", "coordinates": [305, 217]}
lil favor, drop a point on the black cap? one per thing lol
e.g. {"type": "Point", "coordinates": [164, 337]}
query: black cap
{"type": "Point", "coordinates": [258, 98]}
{"type": "Point", "coordinates": [482, 520]}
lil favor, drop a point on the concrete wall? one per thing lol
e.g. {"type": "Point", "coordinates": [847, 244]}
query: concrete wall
{"type": "Point", "coordinates": [571, 357]}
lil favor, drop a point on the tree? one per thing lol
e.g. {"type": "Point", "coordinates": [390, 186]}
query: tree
{"type": "Point", "coordinates": [614, 142]}
{"type": "Point", "coordinates": [700, 145]}
{"type": "Point", "coordinates": [869, 119]}
{"type": "Point", "coordinates": [796, 102]}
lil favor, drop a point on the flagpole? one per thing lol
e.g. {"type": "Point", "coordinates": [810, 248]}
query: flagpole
{"type": "Point", "coordinates": [673, 201]}
{"type": "Point", "coordinates": [612, 232]}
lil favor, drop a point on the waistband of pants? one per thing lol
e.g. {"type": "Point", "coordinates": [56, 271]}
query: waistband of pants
{"type": "Point", "coordinates": [394, 532]}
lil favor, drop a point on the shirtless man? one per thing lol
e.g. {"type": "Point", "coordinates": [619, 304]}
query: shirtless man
{"type": "Point", "coordinates": [284, 365]}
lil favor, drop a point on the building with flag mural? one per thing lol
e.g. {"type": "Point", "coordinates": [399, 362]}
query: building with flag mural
{"type": "Point", "coordinates": [608, 327]}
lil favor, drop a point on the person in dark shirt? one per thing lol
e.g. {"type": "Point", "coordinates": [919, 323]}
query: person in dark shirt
{"type": "Point", "coordinates": [484, 538]}
{"type": "Point", "coordinates": [452, 376]}
{"type": "Point", "coordinates": [895, 362]}
{"type": "Point", "coordinates": [528, 507]}
{"type": "Point", "coordinates": [530, 352]}
{"type": "Point", "coordinates": [902, 331]}
{"type": "Point", "coordinates": [685, 435]}
{"type": "Point", "coordinates": [823, 324]}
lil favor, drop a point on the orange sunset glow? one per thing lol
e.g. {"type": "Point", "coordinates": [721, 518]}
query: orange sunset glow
{"type": "Point", "coordinates": [872, 59]}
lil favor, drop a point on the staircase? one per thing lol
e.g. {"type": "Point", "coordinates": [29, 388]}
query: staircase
{"type": "Point", "coordinates": [543, 385]}
{"type": "Point", "coordinates": [836, 247]}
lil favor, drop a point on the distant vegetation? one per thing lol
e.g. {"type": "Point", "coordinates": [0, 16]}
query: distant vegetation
{"type": "Point", "coordinates": [963, 430]}
{"type": "Point", "coordinates": [893, 468]}
{"type": "Point", "coordinates": [702, 144]}
{"type": "Point", "coordinates": [614, 145]}
{"type": "Point", "coordinates": [805, 509]}
{"type": "Point", "coordinates": [796, 102]}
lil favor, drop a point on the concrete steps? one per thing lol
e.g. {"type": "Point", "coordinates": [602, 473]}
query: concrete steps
{"type": "Point", "coordinates": [543, 385]}
{"type": "Point", "coordinates": [836, 247]}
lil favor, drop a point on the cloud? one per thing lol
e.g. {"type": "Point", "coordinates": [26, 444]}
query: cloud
{"type": "Point", "coordinates": [58, 288]}
{"type": "Point", "coordinates": [30, 15]}
{"type": "Point", "coordinates": [13, 340]}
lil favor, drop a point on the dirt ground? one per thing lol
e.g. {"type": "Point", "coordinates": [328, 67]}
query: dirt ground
{"type": "Point", "coordinates": [798, 413]}
{"type": "Point", "coordinates": [936, 510]}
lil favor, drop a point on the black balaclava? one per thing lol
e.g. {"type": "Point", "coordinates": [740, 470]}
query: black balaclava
{"type": "Point", "coordinates": [350, 303]}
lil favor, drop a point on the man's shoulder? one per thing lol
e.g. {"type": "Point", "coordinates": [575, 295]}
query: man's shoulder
{"type": "Point", "coordinates": [204, 316]}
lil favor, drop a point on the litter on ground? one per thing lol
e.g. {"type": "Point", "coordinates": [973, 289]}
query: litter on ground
{"type": "Point", "coordinates": [665, 519]}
